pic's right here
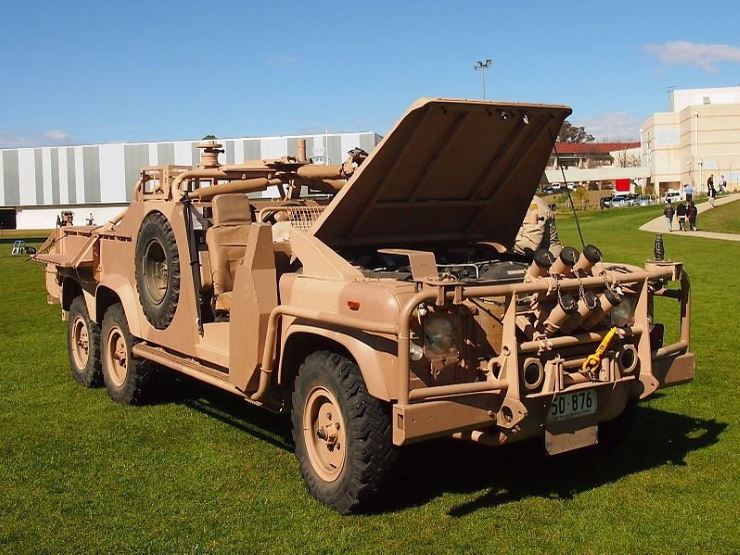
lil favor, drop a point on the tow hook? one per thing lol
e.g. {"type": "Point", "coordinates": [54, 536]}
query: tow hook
{"type": "Point", "coordinates": [591, 364]}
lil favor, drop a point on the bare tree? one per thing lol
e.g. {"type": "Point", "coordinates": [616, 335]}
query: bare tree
{"type": "Point", "coordinates": [626, 159]}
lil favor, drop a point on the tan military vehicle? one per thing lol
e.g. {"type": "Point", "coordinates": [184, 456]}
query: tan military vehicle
{"type": "Point", "coordinates": [375, 301]}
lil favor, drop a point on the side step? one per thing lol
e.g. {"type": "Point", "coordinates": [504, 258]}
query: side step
{"type": "Point", "coordinates": [189, 367]}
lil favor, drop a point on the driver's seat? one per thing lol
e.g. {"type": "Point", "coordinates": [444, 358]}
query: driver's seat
{"type": "Point", "coordinates": [227, 241]}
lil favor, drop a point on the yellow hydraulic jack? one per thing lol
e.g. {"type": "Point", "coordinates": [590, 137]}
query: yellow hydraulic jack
{"type": "Point", "coordinates": [591, 364]}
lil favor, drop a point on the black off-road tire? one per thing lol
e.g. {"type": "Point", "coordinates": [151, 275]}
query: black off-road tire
{"type": "Point", "coordinates": [156, 238]}
{"type": "Point", "coordinates": [133, 384]}
{"type": "Point", "coordinates": [84, 360]}
{"type": "Point", "coordinates": [369, 454]}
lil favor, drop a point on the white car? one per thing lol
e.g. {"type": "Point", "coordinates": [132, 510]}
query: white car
{"type": "Point", "coordinates": [673, 196]}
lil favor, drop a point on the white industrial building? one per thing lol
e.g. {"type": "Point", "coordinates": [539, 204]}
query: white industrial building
{"type": "Point", "coordinates": [37, 183]}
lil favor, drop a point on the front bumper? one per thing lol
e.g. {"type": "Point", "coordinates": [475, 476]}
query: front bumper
{"type": "Point", "coordinates": [499, 410]}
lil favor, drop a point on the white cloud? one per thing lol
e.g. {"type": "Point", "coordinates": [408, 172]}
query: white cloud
{"type": "Point", "coordinates": [280, 60]}
{"type": "Point", "coordinates": [704, 56]}
{"type": "Point", "coordinates": [612, 125]}
{"type": "Point", "coordinates": [58, 135]}
{"type": "Point", "coordinates": [45, 137]}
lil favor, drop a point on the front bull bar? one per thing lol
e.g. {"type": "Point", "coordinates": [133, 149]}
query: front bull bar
{"type": "Point", "coordinates": [441, 293]}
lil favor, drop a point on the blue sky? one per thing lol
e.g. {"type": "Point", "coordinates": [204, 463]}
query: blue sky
{"type": "Point", "coordinates": [87, 72]}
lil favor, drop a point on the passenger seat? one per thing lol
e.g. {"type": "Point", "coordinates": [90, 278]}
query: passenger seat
{"type": "Point", "coordinates": [227, 242]}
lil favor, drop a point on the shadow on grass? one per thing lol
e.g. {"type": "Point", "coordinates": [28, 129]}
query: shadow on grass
{"type": "Point", "coordinates": [518, 471]}
{"type": "Point", "coordinates": [230, 409]}
{"type": "Point", "coordinates": [507, 474]}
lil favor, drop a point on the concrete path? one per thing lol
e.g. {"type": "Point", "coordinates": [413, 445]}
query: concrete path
{"type": "Point", "coordinates": [658, 224]}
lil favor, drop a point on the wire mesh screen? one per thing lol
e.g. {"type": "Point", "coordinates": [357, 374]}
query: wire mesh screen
{"type": "Point", "coordinates": [303, 217]}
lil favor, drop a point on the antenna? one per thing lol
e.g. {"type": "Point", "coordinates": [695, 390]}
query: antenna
{"type": "Point", "coordinates": [567, 191]}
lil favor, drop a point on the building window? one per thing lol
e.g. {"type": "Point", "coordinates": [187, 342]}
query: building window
{"type": "Point", "coordinates": [706, 100]}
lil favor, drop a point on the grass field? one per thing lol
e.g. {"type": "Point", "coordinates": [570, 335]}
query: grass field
{"type": "Point", "coordinates": [724, 219]}
{"type": "Point", "coordinates": [206, 473]}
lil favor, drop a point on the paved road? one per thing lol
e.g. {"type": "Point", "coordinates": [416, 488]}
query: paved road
{"type": "Point", "coordinates": [658, 224]}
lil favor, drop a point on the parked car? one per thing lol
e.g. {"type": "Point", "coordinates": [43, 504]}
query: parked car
{"type": "Point", "coordinates": [673, 196]}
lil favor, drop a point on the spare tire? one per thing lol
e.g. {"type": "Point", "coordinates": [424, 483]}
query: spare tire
{"type": "Point", "coordinates": [157, 270]}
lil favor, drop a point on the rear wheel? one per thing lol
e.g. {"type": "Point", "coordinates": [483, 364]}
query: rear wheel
{"type": "Point", "coordinates": [83, 345]}
{"type": "Point", "coordinates": [342, 435]}
{"type": "Point", "coordinates": [127, 378]}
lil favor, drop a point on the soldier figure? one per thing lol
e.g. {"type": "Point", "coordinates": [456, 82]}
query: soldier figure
{"type": "Point", "coordinates": [538, 230]}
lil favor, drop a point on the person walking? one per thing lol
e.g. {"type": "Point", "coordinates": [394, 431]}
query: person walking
{"type": "Point", "coordinates": [691, 213]}
{"type": "Point", "coordinates": [722, 184]}
{"type": "Point", "coordinates": [688, 191]}
{"type": "Point", "coordinates": [710, 182]}
{"type": "Point", "coordinates": [712, 192]}
{"type": "Point", "coordinates": [681, 216]}
{"type": "Point", "coordinates": [668, 213]}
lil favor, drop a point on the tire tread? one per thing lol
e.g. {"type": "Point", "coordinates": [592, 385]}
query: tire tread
{"type": "Point", "coordinates": [368, 424]}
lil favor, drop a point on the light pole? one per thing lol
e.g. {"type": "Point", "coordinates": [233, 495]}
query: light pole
{"type": "Point", "coordinates": [482, 66]}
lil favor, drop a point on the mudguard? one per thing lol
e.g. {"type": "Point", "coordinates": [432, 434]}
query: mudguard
{"type": "Point", "coordinates": [375, 355]}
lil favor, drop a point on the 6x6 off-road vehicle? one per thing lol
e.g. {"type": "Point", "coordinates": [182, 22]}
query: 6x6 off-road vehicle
{"type": "Point", "coordinates": [377, 301]}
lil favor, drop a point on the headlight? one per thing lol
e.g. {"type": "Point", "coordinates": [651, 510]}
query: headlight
{"type": "Point", "coordinates": [624, 313]}
{"type": "Point", "coordinates": [439, 334]}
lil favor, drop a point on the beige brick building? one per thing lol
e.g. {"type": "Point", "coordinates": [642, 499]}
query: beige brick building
{"type": "Point", "coordinates": [699, 136]}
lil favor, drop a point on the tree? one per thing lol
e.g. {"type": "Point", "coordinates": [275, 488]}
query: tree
{"type": "Point", "coordinates": [628, 158]}
{"type": "Point", "coordinates": [569, 133]}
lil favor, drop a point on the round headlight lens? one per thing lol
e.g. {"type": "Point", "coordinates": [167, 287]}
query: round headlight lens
{"type": "Point", "coordinates": [439, 334]}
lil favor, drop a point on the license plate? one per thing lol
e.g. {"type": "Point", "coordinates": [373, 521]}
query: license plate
{"type": "Point", "coordinates": [572, 405]}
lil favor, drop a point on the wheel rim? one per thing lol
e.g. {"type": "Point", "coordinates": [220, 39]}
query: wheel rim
{"type": "Point", "coordinates": [324, 434]}
{"type": "Point", "coordinates": [156, 271]}
{"type": "Point", "coordinates": [116, 356]}
{"type": "Point", "coordinates": [80, 342]}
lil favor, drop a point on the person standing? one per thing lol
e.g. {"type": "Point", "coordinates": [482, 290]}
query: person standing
{"type": "Point", "coordinates": [681, 216]}
{"type": "Point", "coordinates": [712, 192]}
{"type": "Point", "coordinates": [691, 213]}
{"type": "Point", "coordinates": [668, 213]}
{"type": "Point", "coordinates": [538, 230]}
{"type": "Point", "coordinates": [688, 191]}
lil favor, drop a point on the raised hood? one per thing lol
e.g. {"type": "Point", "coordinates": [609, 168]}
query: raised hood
{"type": "Point", "coordinates": [449, 170]}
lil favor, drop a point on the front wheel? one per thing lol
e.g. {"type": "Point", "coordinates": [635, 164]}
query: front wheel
{"type": "Point", "coordinates": [127, 378]}
{"type": "Point", "coordinates": [342, 435]}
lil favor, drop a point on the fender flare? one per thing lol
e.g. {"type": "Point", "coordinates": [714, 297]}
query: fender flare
{"type": "Point", "coordinates": [88, 294]}
{"type": "Point", "coordinates": [122, 288]}
{"type": "Point", "coordinates": [378, 367]}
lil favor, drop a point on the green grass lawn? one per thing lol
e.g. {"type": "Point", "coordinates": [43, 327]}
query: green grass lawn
{"type": "Point", "coordinates": [24, 233]}
{"type": "Point", "coordinates": [724, 219]}
{"type": "Point", "coordinates": [207, 473]}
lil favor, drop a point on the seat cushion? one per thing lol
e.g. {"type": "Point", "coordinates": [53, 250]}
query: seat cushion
{"type": "Point", "coordinates": [226, 247]}
{"type": "Point", "coordinates": [233, 209]}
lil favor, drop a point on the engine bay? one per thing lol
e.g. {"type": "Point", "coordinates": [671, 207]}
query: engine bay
{"type": "Point", "coordinates": [472, 263]}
